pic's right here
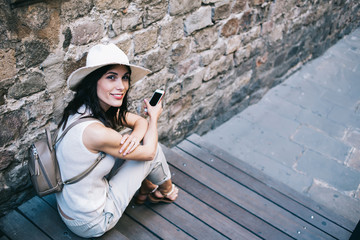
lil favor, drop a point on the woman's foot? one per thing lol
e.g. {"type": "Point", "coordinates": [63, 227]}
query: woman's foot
{"type": "Point", "coordinates": [167, 193]}
{"type": "Point", "coordinates": [146, 188]}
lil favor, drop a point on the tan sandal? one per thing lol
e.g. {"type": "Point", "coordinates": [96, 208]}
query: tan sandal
{"type": "Point", "coordinates": [144, 191]}
{"type": "Point", "coordinates": [165, 196]}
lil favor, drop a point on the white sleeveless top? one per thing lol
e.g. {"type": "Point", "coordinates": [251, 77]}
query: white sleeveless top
{"type": "Point", "coordinates": [83, 200]}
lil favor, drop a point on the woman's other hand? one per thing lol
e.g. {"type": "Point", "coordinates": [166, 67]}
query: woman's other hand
{"type": "Point", "coordinates": [128, 144]}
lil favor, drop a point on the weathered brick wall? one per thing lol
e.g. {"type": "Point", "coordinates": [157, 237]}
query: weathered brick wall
{"type": "Point", "coordinates": [213, 58]}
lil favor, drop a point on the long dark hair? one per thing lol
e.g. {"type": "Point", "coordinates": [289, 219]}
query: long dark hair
{"type": "Point", "coordinates": [86, 94]}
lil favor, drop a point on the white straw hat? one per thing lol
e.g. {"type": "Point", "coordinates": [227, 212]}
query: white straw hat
{"type": "Point", "coordinates": [101, 55]}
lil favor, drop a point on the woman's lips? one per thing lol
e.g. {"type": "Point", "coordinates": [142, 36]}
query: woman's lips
{"type": "Point", "coordinates": [117, 96]}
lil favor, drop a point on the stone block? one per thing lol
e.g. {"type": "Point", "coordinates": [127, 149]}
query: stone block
{"type": "Point", "coordinates": [54, 78]}
{"type": "Point", "coordinates": [67, 37]}
{"type": "Point", "coordinates": [213, 54]}
{"type": "Point", "coordinates": [199, 19]}
{"type": "Point", "coordinates": [104, 5]}
{"type": "Point", "coordinates": [271, 144]}
{"type": "Point", "coordinates": [218, 67]}
{"type": "Point", "coordinates": [145, 40]}
{"type": "Point", "coordinates": [7, 64]}
{"type": "Point", "coordinates": [267, 27]}
{"type": "Point", "coordinates": [4, 87]}
{"type": "Point", "coordinates": [180, 105]}
{"type": "Point", "coordinates": [75, 8]}
{"type": "Point", "coordinates": [352, 137]}
{"type": "Point", "coordinates": [344, 116]}
{"type": "Point", "coordinates": [125, 45]}
{"type": "Point", "coordinates": [277, 33]}
{"type": "Point", "coordinates": [268, 120]}
{"type": "Point", "coordinates": [12, 126]}
{"type": "Point", "coordinates": [171, 31]}
{"type": "Point", "coordinates": [155, 12]}
{"type": "Point", "coordinates": [180, 50]}
{"type": "Point", "coordinates": [321, 123]}
{"type": "Point", "coordinates": [206, 38]}
{"type": "Point", "coordinates": [6, 157]}
{"type": "Point", "coordinates": [17, 178]}
{"type": "Point", "coordinates": [177, 7]}
{"type": "Point", "coordinates": [246, 20]}
{"type": "Point", "coordinates": [190, 64]}
{"type": "Point", "coordinates": [35, 17]}
{"type": "Point", "coordinates": [48, 32]}
{"type": "Point", "coordinates": [253, 35]}
{"type": "Point", "coordinates": [33, 84]}
{"type": "Point", "coordinates": [311, 162]}
{"type": "Point", "coordinates": [238, 6]}
{"type": "Point", "coordinates": [87, 31]}
{"type": "Point", "coordinates": [287, 109]}
{"type": "Point", "coordinates": [346, 206]}
{"type": "Point", "coordinates": [208, 56]}
{"type": "Point", "coordinates": [35, 53]}
{"type": "Point", "coordinates": [192, 82]}
{"type": "Point", "coordinates": [354, 160]}
{"type": "Point", "coordinates": [242, 54]}
{"type": "Point", "coordinates": [230, 28]}
{"type": "Point", "coordinates": [155, 60]}
{"type": "Point", "coordinates": [130, 19]}
{"type": "Point", "coordinates": [221, 10]}
{"type": "Point", "coordinates": [71, 65]}
{"type": "Point", "coordinates": [233, 44]}
{"type": "Point", "coordinates": [256, 2]}
{"type": "Point", "coordinates": [322, 143]}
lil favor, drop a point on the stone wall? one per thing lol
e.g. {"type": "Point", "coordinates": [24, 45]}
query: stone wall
{"type": "Point", "coordinates": [213, 57]}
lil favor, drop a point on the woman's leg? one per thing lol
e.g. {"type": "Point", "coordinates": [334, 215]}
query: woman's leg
{"type": "Point", "coordinates": [128, 179]}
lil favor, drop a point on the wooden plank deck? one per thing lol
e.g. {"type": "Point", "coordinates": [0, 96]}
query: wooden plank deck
{"type": "Point", "coordinates": [220, 197]}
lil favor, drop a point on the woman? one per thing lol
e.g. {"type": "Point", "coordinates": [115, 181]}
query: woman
{"type": "Point", "coordinates": [93, 205]}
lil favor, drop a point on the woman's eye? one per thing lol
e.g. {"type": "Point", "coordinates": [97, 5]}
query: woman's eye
{"type": "Point", "coordinates": [126, 77]}
{"type": "Point", "coordinates": [111, 77]}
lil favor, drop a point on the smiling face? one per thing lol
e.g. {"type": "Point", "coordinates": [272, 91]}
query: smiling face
{"type": "Point", "coordinates": [112, 87]}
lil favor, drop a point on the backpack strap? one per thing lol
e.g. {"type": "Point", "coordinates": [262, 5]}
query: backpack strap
{"type": "Point", "coordinates": [99, 158]}
{"type": "Point", "coordinates": [83, 119]}
{"type": "Point", "coordinates": [87, 171]}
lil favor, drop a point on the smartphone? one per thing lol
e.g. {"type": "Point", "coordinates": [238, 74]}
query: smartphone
{"type": "Point", "coordinates": [157, 96]}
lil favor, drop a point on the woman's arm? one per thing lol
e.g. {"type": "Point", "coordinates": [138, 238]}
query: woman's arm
{"type": "Point", "coordinates": [139, 127]}
{"type": "Point", "coordinates": [97, 138]}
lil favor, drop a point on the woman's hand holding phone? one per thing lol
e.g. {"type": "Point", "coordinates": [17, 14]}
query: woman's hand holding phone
{"type": "Point", "coordinates": [154, 112]}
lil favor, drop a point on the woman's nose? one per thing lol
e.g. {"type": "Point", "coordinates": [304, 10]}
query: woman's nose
{"type": "Point", "coordinates": [119, 85]}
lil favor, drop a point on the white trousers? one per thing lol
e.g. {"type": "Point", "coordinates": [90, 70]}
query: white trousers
{"type": "Point", "coordinates": [123, 184]}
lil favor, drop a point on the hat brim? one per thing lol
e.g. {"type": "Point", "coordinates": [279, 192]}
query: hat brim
{"type": "Point", "coordinates": [77, 76]}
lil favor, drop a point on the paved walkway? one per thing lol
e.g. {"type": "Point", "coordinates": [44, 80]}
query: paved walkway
{"type": "Point", "coordinates": [305, 132]}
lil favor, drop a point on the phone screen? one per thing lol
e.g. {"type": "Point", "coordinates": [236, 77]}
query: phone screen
{"type": "Point", "coordinates": [155, 98]}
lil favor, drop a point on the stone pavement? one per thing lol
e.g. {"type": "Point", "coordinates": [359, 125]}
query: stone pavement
{"type": "Point", "coordinates": [305, 132]}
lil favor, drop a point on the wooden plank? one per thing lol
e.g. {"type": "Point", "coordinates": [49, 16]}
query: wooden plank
{"type": "Point", "coordinates": [133, 230]}
{"type": "Point", "coordinates": [155, 223]}
{"type": "Point", "coordinates": [213, 218]}
{"type": "Point", "coordinates": [46, 218]}
{"type": "Point", "coordinates": [305, 201]}
{"type": "Point", "coordinates": [247, 198]}
{"type": "Point", "coordinates": [356, 233]}
{"type": "Point", "coordinates": [17, 227]}
{"type": "Point", "coordinates": [50, 200]}
{"type": "Point", "coordinates": [187, 222]}
{"type": "Point", "coordinates": [261, 188]}
{"type": "Point", "coordinates": [227, 208]}
{"type": "Point", "coordinates": [113, 234]}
